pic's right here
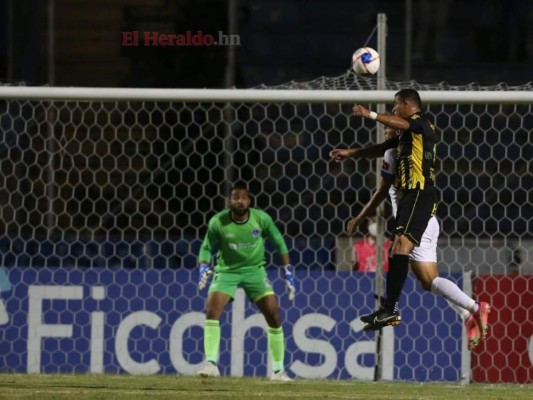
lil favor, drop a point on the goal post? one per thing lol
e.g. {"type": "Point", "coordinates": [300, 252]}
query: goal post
{"type": "Point", "coordinates": [105, 195]}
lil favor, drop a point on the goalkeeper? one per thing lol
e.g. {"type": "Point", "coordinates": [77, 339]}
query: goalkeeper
{"type": "Point", "coordinates": [239, 233]}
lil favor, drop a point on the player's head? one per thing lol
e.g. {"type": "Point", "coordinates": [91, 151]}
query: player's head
{"type": "Point", "coordinates": [406, 103]}
{"type": "Point", "coordinates": [239, 200]}
{"type": "Point", "coordinates": [391, 132]}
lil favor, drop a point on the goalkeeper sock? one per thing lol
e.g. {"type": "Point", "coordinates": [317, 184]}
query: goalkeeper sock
{"type": "Point", "coordinates": [276, 345]}
{"type": "Point", "coordinates": [211, 339]}
{"type": "Point", "coordinates": [398, 270]}
{"type": "Point", "coordinates": [451, 292]}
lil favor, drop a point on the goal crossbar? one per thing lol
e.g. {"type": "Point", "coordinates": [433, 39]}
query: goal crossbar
{"type": "Point", "coordinates": [256, 95]}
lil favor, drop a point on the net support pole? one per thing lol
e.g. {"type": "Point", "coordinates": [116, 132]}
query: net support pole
{"type": "Point", "coordinates": [229, 82]}
{"type": "Point", "coordinates": [50, 117]}
{"type": "Point", "coordinates": [408, 39]}
{"type": "Point", "coordinates": [380, 238]}
{"type": "Point", "coordinates": [466, 366]}
{"type": "Point", "coordinates": [10, 40]}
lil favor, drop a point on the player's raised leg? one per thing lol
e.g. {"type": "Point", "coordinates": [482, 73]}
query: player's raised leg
{"type": "Point", "coordinates": [426, 272]}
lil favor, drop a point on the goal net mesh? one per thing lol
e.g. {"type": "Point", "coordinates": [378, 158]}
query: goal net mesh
{"type": "Point", "coordinates": [132, 184]}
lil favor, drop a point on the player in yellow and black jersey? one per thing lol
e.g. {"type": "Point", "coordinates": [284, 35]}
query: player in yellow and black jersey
{"type": "Point", "coordinates": [417, 197]}
{"type": "Point", "coordinates": [416, 154]}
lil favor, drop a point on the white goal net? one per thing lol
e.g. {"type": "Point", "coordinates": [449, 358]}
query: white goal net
{"type": "Point", "coordinates": [105, 196]}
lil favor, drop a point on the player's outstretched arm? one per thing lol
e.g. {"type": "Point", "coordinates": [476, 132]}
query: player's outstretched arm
{"type": "Point", "coordinates": [372, 151]}
{"type": "Point", "coordinates": [380, 195]}
{"type": "Point", "coordinates": [391, 121]}
{"type": "Point", "coordinates": [339, 155]}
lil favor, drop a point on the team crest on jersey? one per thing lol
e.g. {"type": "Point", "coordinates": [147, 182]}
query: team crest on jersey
{"type": "Point", "coordinates": [256, 233]}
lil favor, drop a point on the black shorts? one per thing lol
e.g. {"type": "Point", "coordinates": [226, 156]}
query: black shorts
{"type": "Point", "coordinates": [415, 208]}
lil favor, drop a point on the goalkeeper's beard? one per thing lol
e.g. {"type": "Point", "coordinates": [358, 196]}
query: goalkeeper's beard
{"type": "Point", "coordinates": [240, 212]}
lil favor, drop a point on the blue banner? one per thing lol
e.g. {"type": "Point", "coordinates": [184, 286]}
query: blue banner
{"type": "Point", "coordinates": [71, 320]}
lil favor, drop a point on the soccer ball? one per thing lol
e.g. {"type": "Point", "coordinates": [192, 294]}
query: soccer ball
{"type": "Point", "coordinates": [365, 61]}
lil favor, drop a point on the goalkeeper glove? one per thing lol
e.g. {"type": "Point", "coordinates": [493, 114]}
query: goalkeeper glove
{"type": "Point", "coordinates": [205, 272]}
{"type": "Point", "coordinates": [289, 281]}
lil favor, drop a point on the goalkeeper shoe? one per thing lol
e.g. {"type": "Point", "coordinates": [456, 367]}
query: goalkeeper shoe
{"type": "Point", "coordinates": [381, 318]}
{"type": "Point", "coordinates": [280, 376]}
{"type": "Point", "coordinates": [482, 318]}
{"type": "Point", "coordinates": [209, 370]}
{"type": "Point", "coordinates": [473, 333]}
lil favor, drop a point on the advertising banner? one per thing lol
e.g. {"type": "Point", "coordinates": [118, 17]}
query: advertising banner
{"type": "Point", "coordinates": [150, 321]}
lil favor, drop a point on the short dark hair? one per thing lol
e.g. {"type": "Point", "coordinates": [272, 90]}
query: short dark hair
{"type": "Point", "coordinates": [238, 186]}
{"type": "Point", "coordinates": [410, 94]}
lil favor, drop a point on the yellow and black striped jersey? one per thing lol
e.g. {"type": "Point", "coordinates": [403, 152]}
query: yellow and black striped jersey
{"type": "Point", "coordinates": [416, 146]}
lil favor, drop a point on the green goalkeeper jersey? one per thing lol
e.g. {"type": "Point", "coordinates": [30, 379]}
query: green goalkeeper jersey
{"type": "Point", "coordinates": [241, 246]}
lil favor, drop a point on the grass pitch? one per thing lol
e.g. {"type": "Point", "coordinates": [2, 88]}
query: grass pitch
{"type": "Point", "coordinates": [118, 387]}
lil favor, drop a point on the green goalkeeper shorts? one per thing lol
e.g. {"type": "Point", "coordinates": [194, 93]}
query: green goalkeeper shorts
{"type": "Point", "coordinates": [255, 283]}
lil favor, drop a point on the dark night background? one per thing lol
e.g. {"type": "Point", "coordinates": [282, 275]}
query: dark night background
{"type": "Point", "coordinates": [151, 178]}
{"type": "Point", "coordinates": [280, 41]}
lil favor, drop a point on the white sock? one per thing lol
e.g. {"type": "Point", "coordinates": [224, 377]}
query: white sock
{"type": "Point", "coordinates": [451, 292]}
{"type": "Point", "coordinates": [464, 314]}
